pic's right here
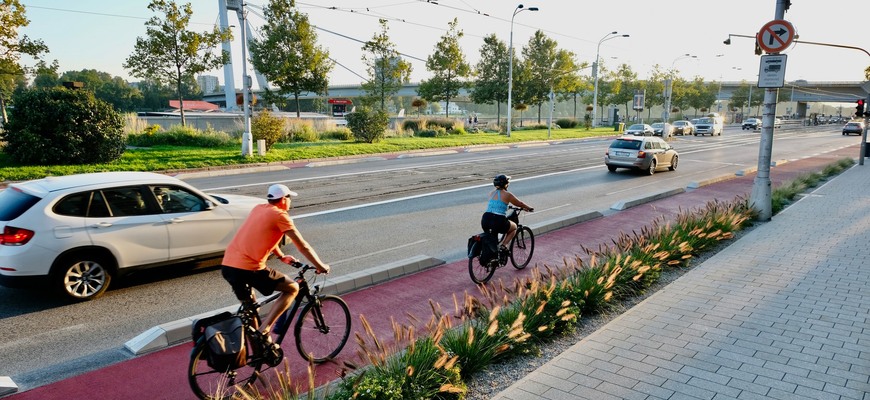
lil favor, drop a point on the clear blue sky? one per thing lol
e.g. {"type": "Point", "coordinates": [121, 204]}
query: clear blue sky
{"type": "Point", "coordinates": [100, 34]}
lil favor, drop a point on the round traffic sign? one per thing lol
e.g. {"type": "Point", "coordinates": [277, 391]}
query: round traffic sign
{"type": "Point", "coordinates": [775, 36]}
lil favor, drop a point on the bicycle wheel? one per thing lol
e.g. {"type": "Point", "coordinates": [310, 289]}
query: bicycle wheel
{"type": "Point", "coordinates": [480, 273]}
{"type": "Point", "coordinates": [322, 329]}
{"type": "Point", "coordinates": [522, 247]}
{"type": "Point", "coordinates": [210, 384]}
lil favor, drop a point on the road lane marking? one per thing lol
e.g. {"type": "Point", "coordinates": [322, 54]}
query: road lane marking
{"type": "Point", "coordinates": [378, 252]}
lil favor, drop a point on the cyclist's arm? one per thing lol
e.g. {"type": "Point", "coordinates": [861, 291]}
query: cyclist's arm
{"type": "Point", "coordinates": [511, 199]}
{"type": "Point", "coordinates": [306, 250]}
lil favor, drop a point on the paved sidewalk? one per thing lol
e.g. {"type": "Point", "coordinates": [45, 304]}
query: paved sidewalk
{"type": "Point", "coordinates": [782, 313]}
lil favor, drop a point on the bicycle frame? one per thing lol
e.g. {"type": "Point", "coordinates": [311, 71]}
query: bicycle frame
{"type": "Point", "coordinates": [303, 297]}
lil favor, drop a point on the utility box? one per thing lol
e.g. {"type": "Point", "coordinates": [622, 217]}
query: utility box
{"type": "Point", "coordinates": [261, 147]}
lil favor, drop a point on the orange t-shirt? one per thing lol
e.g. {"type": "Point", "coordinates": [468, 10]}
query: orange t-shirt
{"type": "Point", "coordinates": [257, 238]}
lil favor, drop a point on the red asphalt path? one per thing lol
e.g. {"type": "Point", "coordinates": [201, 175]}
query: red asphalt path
{"type": "Point", "coordinates": [162, 374]}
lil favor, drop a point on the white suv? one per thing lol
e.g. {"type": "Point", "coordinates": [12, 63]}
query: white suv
{"type": "Point", "coordinates": [77, 232]}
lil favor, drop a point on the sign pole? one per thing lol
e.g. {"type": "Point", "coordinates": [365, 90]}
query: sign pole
{"type": "Point", "coordinates": [772, 41]}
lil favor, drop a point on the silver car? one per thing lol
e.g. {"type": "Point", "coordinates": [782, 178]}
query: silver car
{"type": "Point", "coordinates": [646, 154]}
{"type": "Point", "coordinates": [76, 233]}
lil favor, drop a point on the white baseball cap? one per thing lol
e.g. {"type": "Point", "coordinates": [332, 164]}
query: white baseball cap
{"type": "Point", "coordinates": [279, 191]}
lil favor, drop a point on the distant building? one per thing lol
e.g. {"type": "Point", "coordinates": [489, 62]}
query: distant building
{"type": "Point", "coordinates": [208, 83]}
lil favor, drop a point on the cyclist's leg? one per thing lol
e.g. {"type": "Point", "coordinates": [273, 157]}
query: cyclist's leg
{"type": "Point", "coordinates": [512, 230]}
{"type": "Point", "coordinates": [268, 281]}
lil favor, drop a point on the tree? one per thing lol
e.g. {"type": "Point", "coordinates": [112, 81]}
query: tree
{"type": "Point", "coordinates": [492, 74]}
{"type": "Point", "coordinates": [170, 52]}
{"type": "Point", "coordinates": [448, 66]}
{"type": "Point", "coordinates": [12, 19]}
{"type": "Point", "coordinates": [623, 82]}
{"type": "Point", "coordinates": [419, 104]}
{"type": "Point", "coordinates": [46, 75]}
{"type": "Point", "coordinates": [288, 55]}
{"type": "Point", "coordinates": [61, 126]}
{"type": "Point", "coordinates": [547, 68]}
{"type": "Point", "coordinates": [113, 90]}
{"type": "Point", "coordinates": [387, 71]}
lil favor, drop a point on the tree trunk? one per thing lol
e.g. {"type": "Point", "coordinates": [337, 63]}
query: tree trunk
{"type": "Point", "coordinates": [4, 119]}
{"type": "Point", "coordinates": [296, 98]}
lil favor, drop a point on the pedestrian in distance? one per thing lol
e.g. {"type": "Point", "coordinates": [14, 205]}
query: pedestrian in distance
{"type": "Point", "coordinates": [244, 261]}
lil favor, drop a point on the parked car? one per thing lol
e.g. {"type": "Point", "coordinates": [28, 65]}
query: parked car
{"type": "Point", "coordinates": [77, 233]}
{"type": "Point", "coordinates": [856, 127]}
{"type": "Point", "coordinates": [660, 127]}
{"type": "Point", "coordinates": [683, 128]}
{"type": "Point", "coordinates": [639, 130]}
{"type": "Point", "coordinates": [752, 124]}
{"type": "Point", "coordinates": [646, 154]}
{"type": "Point", "coordinates": [777, 123]}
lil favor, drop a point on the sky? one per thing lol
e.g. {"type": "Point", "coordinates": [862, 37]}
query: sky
{"type": "Point", "coordinates": [94, 34]}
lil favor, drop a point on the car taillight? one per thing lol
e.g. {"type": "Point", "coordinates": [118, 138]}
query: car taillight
{"type": "Point", "coordinates": [15, 236]}
{"type": "Point", "coordinates": [641, 154]}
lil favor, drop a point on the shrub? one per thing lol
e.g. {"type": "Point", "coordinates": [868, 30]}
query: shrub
{"type": "Point", "coordinates": [447, 124]}
{"type": "Point", "coordinates": [337, 134]}
{"type": "Point", "coordinates": [566, 123]}
{"type": "Point", "coordinates": [368, 125]}
{"type": "Point", "coordinates": [180, 136]}
{"type": "Point", "coordinates": [413, 124]}
{"type": "Point", "coordinates": [60, 126]}
{"type": "Point", "coordinates": [458, 131]}
{"type": "Point", "coordinates": [265, 126]}
{"type": "Point", "coordinates": [435, 131]}
{"type": "Point", "coordinates": [299, 130]}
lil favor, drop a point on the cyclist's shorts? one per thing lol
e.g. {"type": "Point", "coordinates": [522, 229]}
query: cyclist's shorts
{"type": "Point", "coordinates": [264, 280]}
{"type": "Point", "coordinates": [494, 222]}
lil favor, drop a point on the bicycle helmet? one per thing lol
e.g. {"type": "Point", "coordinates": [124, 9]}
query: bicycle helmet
{"type": "Point", "coordinates": [501, 180]}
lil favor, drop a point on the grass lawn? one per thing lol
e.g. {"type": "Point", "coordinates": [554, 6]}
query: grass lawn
{"type": "Point", "coordinates": [163, 158]}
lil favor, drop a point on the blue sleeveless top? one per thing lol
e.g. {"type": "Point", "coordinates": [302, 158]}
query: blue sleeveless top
{"type": "Point", "coordinates": [496, 206]}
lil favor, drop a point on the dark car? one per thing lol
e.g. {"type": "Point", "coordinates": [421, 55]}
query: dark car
{"type": "Point", "coordinates": [639, 130]}
{"type": "Point", "coordinates": [751, 123]}
{"type": "Point", "coordinates": [856, 127]}
{"type": "Point", "coordinates": [683, 128]}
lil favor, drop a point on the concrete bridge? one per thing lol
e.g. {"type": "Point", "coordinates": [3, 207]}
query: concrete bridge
{"type": "Point", "coordinates": [801, 92]}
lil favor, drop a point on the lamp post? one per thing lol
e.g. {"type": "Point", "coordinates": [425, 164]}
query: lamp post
{"type": "Point", "coordinates": [611, 35]}
{"type": "Point", "coordinates": [666, 116]}
{"type": "Point", "coordinates": [517, 10]}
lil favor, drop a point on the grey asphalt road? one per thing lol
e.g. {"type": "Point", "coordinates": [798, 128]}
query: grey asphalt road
{"type": "Point", "coordinates": [363, 214]}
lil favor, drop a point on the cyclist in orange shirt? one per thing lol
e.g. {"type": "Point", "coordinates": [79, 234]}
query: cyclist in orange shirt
{"type": "Point", "coordinates": [244, 261]}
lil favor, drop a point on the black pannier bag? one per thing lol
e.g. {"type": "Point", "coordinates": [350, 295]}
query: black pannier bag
{"type": "Point", "coordinates": [224, 337]}
{"type": "Point", "coordinates": [483, 244]}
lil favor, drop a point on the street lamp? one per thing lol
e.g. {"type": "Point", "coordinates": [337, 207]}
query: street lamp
{"type": "Point", "coordinates": [666, 116]}
{"type": "Point", "coordinates": [611, 35]}
{"type": "Point", "coordinates": [517, 10]}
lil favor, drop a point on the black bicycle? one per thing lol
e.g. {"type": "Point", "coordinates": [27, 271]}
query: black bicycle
{"type": "Point", "coordinates": [520, 251]}
{"type": "Point", "coordinates": [321, 331]}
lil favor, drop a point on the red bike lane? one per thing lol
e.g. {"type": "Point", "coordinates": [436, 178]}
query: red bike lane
{"type": "Point", "coordinates": [407, 300]}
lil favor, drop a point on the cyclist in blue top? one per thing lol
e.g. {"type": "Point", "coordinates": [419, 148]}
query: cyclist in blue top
{"type": "Point", "coordinates": [495, 217]}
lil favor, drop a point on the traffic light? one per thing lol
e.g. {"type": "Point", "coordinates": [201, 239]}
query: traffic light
{"type": "Point", "coordinates": [859, 108]}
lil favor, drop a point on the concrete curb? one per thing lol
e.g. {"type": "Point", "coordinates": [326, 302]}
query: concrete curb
{"type": "Point", "coordinates": [7, 386]}
{"type": "Point", "coordinates": [622, 205]}
{"type": "Point", "coordinates": [179, 331]}
{"type": "Point", "coordinates": [697, 184]}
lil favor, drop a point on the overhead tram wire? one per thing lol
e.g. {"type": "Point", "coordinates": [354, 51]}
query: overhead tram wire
{"type": "Point", "coordinates": [332, 59]}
